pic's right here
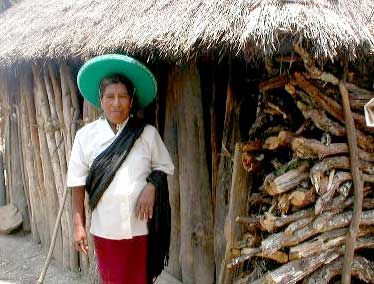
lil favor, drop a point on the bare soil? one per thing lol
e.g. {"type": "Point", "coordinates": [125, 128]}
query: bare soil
{"type": "Point", "coordinates": [21, 261]}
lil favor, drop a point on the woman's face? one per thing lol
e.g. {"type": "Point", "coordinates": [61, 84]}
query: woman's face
{"type": "Point", "coordinates": [116, 102]}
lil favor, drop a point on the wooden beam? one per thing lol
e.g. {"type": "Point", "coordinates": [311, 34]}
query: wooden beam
{"type": "Point", "coordinates": [240, 185]}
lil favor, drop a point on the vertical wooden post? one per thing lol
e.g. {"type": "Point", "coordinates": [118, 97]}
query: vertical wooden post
{"type": "Point", "coordinates": [357, 185]}
{"type": "Point", "coordinates": [230, 136]}
{"type": "Point", "coordinates": [43, 224]}
{"type": "Point", "coordinates": [23, 175]}
{"type": "Point", "coordinates": [2, 182]}
{"type": "Point", "coordinates": [37, 211]}
{"type": "Point", "coordinates": [49, 161]}
{"type": "Point", "coordinates": [171, 142]}
{"type": "Point", "coordinates": [15, 169]}
{"type": "Point", "coordinates": [238, 206]}
{"type": "Point", "coordinates": [57, 109]}
{"type": "Point", "coordinates": [70, 114]}
{"type": "Point", "coordinates": [196, 225]}
{"type": "Point", "coordinates": [214, 139]}
{"type": "Point", "coordinates": [7, 158]}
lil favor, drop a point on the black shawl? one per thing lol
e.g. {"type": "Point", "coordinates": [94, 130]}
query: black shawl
{"type": "Point", "coordinates": [101, 174]}
{"type": "Point", "coordinates": [107, 163]}
{"type": "Point", "coordinates": [159, 227]}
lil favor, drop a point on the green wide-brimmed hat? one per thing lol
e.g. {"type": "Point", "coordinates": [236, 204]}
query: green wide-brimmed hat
{"type": "Point", "coordinates": [99, 67]}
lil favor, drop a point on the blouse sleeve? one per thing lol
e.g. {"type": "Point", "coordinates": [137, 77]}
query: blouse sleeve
{"type": "Point", "coordinates": [160, 157]}
{"type": "Point", "coordinates": [78, 165]}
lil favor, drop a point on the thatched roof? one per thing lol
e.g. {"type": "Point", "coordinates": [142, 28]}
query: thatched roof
{"type": "Point", "coordinates": [175, 29]}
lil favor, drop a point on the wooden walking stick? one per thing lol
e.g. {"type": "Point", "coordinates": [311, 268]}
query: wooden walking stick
{"type": "Point", "coordinates": [54, 236]}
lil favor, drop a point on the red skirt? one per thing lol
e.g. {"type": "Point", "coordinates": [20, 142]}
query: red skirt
{"type": "Point", "coordinates": [122, 261]}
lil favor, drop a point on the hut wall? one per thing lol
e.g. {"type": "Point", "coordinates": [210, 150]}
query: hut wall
{"type": "Point", "coordinates": [197, 112]}
{"type": "Point", "coordinates": [17, 193]}
{"type": "Point", "coordinates": [43, 111]}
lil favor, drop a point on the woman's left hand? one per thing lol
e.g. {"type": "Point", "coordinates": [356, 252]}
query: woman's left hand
{"type": "Point", "coordinates": [146, 200]}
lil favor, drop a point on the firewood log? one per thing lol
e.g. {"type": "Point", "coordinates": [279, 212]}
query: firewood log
{"type": "Point", "coordinates": [273, 110]}
{"type": "Point", "coordinates": [283, 139]}
{"type": "Point", "coordinates": [267, 222]}
{"type": "Point", "coordinates": [259, 198]}
{"type": "Point", "coordinates": [248, 220]}
{"type": "Point", "coordinates": [345, 188]}
{"type": "Point", "coordinates": [270, 223]}
{"type": "Point", "coordinates": [301, 250]}
{"type": "Point", "coordinates": [320, 168]}
{"type": "Point", "coordinates": [320, 119]}
{"type": "Point", "coordinates": [325, 241]}
{"type": "Point", "coordinates": [328, 104]}
{"type": "Point", "coordinates": [323, 223]}
{"type": "Point", "coordinates": [296, 270]}
{"type": "Point", "coordinates": [248, 253]}
{"type": "Point", "coordinates": [338, 162]}
{"type": "Point", "coordinates": [311, 149]}
{"type": "Point", "coordinates": [310, 66]}
{"type": "Point", "coordinates": [273, 130]}
{"type": "Point", "coordinates": [252, 146]}
{"type": "Point", "coordinates": [249, 240]}
{"type": "Point", "coordinates": [279, 222]}
{"type": "Point", "coordinates": [326, 197]}
{"type": "Point", "coordinates": [367, 167]}
{"type": "Point", "coordinates": [252, 162]}
{"type": "Point", "coordinates": [297, 225]}
{"type": "Point", "coordinates": [260, 117]}
{"type": "Point", "coordinates": [361, 268]}
{"type": "Point", "coordinates": [301, 198]}
{"type": "Point", "coordinates": [273, 83]}
{"type": "Point", "coordinates": [287, 181]}
{"type": "Point", "coordinates": [358, 97]}
{"type": "Point", "coordinates": [368, 203]}
{"type": "Point", "coordinates": [258, 271]}
{"type": "Point", "coordinates": [284, 203]}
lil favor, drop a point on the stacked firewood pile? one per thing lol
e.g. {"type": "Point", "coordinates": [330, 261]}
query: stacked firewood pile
{"type": "Point", "coordinates": [301, 202]}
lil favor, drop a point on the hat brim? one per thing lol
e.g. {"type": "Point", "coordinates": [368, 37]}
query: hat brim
{"type": "Point", "coordinates": [99, 67]}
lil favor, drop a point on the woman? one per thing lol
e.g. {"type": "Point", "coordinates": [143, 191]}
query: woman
{"type": "Point", "coordinates": [121, 163]}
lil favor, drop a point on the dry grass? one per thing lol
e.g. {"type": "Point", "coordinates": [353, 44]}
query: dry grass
{"type": "Point", "coordinates": [179, 30]}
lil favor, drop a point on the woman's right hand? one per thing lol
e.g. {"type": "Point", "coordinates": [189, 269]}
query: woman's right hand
{"type": "Point", "coordinates": [80, 239]}
{"type": "Point", "coordinates": [79, 218]}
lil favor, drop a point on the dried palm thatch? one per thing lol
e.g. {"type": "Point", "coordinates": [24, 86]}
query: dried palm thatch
{"type": "Point", "coordinates": [55, 29]}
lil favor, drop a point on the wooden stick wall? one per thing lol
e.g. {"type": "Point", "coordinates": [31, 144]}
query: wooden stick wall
{"type": "Point", "coordinates": [46, 109]}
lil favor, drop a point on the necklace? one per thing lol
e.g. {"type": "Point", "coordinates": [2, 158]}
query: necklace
{"type": "Point", "coordinates": [119, 125]}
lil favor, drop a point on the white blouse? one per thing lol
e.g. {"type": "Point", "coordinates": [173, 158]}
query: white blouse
{"type": "Point", "coordinates": [114, 215]}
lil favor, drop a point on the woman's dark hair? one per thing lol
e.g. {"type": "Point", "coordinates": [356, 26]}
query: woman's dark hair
{"type": "Point", "coordinates": [115, 79]}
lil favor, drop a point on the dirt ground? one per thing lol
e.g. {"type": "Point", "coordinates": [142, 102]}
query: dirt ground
{"type": "Point", "coordinates": [21, 262]}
